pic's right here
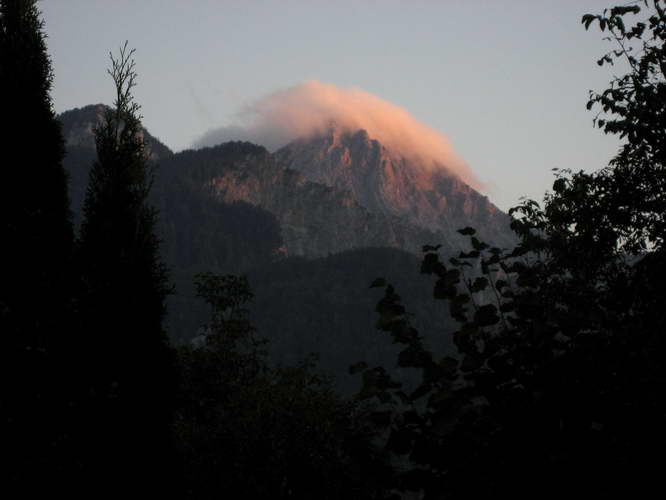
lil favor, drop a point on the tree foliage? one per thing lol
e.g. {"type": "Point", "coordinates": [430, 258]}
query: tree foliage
{"type": "Point", "coordinates": [122, 303]}
{"type": "Point", "coordinates": [557, 386]}
{"type": "Point", "coordinates": [249, 430]}
{"type": "Point", "coordinates": [34, 254]}
{"type": "Point", "coordinates": [631, 189]}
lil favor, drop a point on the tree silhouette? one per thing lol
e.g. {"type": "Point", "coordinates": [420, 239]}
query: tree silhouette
{"type": "Point", "coordinates": [35, 252]}
{"type": "Point", "coordinates": [250, 430]}
{"type": "Point", "coordinates": [124, 286]}
{"type": "Point", "coordinates": [558, 385]}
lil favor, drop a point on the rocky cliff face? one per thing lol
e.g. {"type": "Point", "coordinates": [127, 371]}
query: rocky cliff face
{"type": "Point", "coordinates": [330, 193]}
{"type": "Point", "coordinates": [316, 219]}
{"type": "Point", "coordinates": [385, 182]}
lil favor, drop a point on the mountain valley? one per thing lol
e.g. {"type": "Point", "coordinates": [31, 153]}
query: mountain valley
{"type": "Point", "coordinates": [311, 224]}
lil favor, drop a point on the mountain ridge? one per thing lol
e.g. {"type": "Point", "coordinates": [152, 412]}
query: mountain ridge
{"type": "Point", "coordinates": [311, 249]}
{"type": "Point", "coordinates": [78, 125]}
{"type": "Point", "coordinates": [330, 192]}
{"type": "Point", "coordinates": [385, 181]}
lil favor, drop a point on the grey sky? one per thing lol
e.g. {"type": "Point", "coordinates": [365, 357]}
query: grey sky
{"type": "Point", "coordinates": [505, 80]}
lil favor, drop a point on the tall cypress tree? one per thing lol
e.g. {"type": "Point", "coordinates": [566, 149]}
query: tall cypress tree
{"type": "Point", "coordinates": [36, 233]}
{"type": "Point", "coordinates": [123, 302]}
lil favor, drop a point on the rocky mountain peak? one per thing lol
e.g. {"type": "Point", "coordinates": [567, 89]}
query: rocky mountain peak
{"type": "Point", "coordinates": [79, 125]}
{"type": "Point", "coordinates": [384, 181]}
{"type": "Point", "coordinates": [78, 130]}
{"type": "Point", "coordinates": [333, 191]}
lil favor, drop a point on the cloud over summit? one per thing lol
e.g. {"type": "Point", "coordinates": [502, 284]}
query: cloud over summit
{"type": "Point", "coordinates": [310, 108]}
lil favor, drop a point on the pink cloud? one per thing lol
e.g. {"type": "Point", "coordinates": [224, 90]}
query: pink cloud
{"type": "Point", "coordinates": [310, 108]}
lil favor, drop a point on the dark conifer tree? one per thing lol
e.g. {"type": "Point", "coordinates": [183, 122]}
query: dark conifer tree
{"type": "Point", "coordinates": [36, 232]}
{"type": "Point", "coordinates": [123, 304]}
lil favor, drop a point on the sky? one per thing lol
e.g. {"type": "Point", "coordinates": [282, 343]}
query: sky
{"type": "Point", "coordinates": [506, 81]}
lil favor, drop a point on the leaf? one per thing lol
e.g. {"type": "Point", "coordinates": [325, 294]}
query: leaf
{"type": "Point", "coordinates": [420, 391]}
{"type": "Point", "coordinates": [381, 418]}
{"type": "Point", "coordinates": [587, 20]}
{"type": "Point", "coordinates": [462, 298]}
{"type": "Point", "coordinates": [471, 363]}
{"type": "Point", "coordinates": [432, 265]}
{"type": "Point", "coordinates": [443, 291]}
{"type": "Point", "coordinates": [384, 323]}
{"type": "Point", "coordinates": [375, 382]}
{"type": "Point", "coordinates": [458, 263]}
{"type": "Point", "coordinates": [479, 284]}
{"type": "Point", "coordinates": [441, 398]}
{"type": "Point", "coordinates": [479, 245]}
{"type": "Point", "coordinates": [486, 315]}
{"type": "Point", "coordinates": [625, 9]}
{"type": "Point", "coordinates": [379, 282]}
{"type": "Point", "coordinates": [467, 231]}
{"type": "Point", "coordinates": [452, 277]}
{"type": "Point", "coordinates": [407, 335]}
{"type": "Point", "coordinates": [430, 248]}
{"type": "Point", "coordinates": [400, 441]}
{"type": "Point", "coordinates": [404, 399]}
{"type": "Point", "coordinates": [559, 185]}
{"type": "Point", "coordinates": [426, 451]}
{"type": "Point", "coordinates": [411, 417]}
{"type": "Point", "coordinates": [384, 397]}
{"type": "Point", "coordinates": [448, 365]}
{"type": "Point", "coordinates": [469, 255]}
{"type": "Point", "coordinates": [412, 357]}
{"type": "Point", "coordinates": [485, 264]}
{"type": "Point", "coordinates": [620, 24]}
{"type": "Point", "coordinates": [464, 343]}
{"type": "Point", "coordinates": [508, 307]}
{"type": "Point", "coordinates": [457, 311]}
{"type": "Point", "coordinates": [417, 479]}
{"type": "Point", "coordinates": [445, 287]}
{"type": "Point", "coordinates": [357, 367]}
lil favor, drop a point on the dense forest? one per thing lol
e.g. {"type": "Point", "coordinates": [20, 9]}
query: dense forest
{"type": "Point", "coordinates": [158, 342]}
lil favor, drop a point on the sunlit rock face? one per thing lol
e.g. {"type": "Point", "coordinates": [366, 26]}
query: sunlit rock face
{"type": "Point", "coordinates": [316, 219]}
{"type": "Point", "coordinates": [330, 192]}
{"type": "Point", "coordinates": [385, 182]}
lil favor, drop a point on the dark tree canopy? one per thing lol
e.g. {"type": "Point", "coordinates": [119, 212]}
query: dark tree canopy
{"type": "Point", "coordinates": [558, 385]}
{"type": "Point", "coordinates": [34, 200]}
{"type": "Point", "coordinates": [249, 430]}
{"type": "Point", "coordinates": [35, 224]}
{"type": "Point", "coordinates": [35, 251]}
{"type": "Point", "coordinates": [631, 191]}
{"type": "Point", "coordinates": [555, 389]}
{"type": "Point", "coordinates": [123, 291]}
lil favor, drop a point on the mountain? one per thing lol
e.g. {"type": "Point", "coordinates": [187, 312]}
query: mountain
{"type": "Point", "coordinates": [312, 225]}
{"type": "Point", "coordinates": [324, 306]}
{"type": "Point", "coordinates": [315, 219]}
{"type": "Point", "coordinates": [77, 126]}
{"type": "Point", "coordinates": [385, 182]}
{"type": "Point", "coordinates": [197, 232]}
{"type": "Point", "coordinates": [329, 193]}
